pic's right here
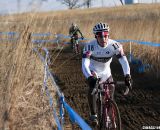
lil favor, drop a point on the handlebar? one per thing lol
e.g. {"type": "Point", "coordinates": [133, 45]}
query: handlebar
{"type": "Point", "coordinates": [115, 83]}
{"type": "Point", "coordinates": [81, 38]}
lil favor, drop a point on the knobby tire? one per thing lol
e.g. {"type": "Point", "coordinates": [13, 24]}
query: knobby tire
{"type": "Point", "coordinates": [75, 46]}
{"type": "Point", "coordinates": [115, 116]}
{"type": "Point", "coordinates": [102, 115]}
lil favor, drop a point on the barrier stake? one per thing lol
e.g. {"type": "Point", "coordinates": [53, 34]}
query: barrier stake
{"type": "Point", "coordinates": [130, 51]}
{"type": "Point", "coordinates": [62, 110]}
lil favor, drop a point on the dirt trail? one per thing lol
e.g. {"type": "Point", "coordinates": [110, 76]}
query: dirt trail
{"type": "Point", "coordinates": [140, 108]}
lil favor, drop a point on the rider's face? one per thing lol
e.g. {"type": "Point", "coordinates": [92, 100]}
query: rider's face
{"type": "Point", "coordinates": [102, 38]}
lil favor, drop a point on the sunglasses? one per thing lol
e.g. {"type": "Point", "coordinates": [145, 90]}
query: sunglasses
{"type": "Point", "coordinates": [102, 34]}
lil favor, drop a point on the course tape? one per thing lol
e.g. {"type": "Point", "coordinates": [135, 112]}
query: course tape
{"type": "Point", "coordinates": [141, 68]}
{"type": "Point", "coordinates": [9, 33]}
{"type": "Point", "coordinates": [73, 115]}
{"type": "Point", "coordinates": [141, 42]}
{"type": "Point", "coordinates": [57, 38]}
{"type": "Point", "coordinates": [136, 41]}
{"type": "Point", "coordinates": [51, 105]}
{"type": "Point", "coordinates": [44, 41]}
{"type": "Point", "coordinates": [76, 118]}
{"type": "Point", "coordinates": [68, 37]}
{"type": "Point", "coordinates": [41, 34]}
{"type": "Point", "coordinates": [47, 91]}
{"type": "Point", "coordinates": [12, 36]}
{"type": "Point", "coordinates": [9, 39]}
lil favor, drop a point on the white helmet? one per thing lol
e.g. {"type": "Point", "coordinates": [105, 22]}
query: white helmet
{"type": "Point", "coordinates": [74, 24]}
{"type": "Point", "coordinates": [100, 27]}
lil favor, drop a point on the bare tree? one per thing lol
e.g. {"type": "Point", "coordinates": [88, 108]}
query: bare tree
{"type": "Point", "coordinates": [88, 3]}
{"type": "Point", "coordinates": [121, 2]}
{"type": "Point", "coordinates": [71, 3]}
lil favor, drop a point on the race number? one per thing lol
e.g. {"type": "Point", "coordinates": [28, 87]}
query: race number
{"type": "Point", "coordinates": [116, 46]}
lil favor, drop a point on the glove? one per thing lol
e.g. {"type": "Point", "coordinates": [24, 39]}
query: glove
{"type": "Point", "coordinates": [128, 81]}
{"type": "Point", "coordinates": [92, 81]}
{"type": "Point", "coordinates": [82, 37]}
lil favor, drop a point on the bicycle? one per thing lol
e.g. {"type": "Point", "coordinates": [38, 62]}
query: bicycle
{"type": "Point", "coordinates": [75, 44]}
{"type": "Point", "coordinates": [107, 109]}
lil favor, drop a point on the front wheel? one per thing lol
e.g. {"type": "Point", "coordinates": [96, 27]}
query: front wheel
{"type": "Point", "coordinates": [75, 45]}
{"type": "Point", "coordinates": [99, 112]}
{"type": "Point", "coordinates": [111, 116]}
{"type": "Point", "coordinates": [77, 48]}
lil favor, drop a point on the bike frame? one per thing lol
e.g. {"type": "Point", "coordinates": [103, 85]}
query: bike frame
{"type": "Point", "coordinates": [105, 106]}
{"type": "Point", "coordinates": [75, 44]}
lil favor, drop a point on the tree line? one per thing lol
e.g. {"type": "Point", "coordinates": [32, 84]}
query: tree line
{"type": "Point", "coordinates": [72, 4]}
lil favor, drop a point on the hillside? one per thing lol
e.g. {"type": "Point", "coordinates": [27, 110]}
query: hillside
{"type": "Point", "coordinates": [23, 105]}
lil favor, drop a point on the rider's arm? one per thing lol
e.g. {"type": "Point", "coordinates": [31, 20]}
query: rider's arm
{"type": "Point", "coordinates": [122, 59]}
{"type": "Point", "coordinates": [85, 67]}
{"type": "Point", "coordinates": [125, 65]}
{"type": "Point", "coordinates": [80, 33]}
{"type": "Point", "coordinates": [86, 62]}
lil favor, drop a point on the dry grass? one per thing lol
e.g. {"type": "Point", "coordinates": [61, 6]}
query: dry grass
{"type": "Point", "coordinates": [22, 106]}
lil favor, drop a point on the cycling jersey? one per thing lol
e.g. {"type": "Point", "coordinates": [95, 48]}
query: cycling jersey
{"type": "Point", "coordinates": [73, 32]}
{"type": "Point", "coordinates": [97, 59]}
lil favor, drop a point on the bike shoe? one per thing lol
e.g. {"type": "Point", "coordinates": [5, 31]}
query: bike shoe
{"type": "Point", "coordinates": [93, 119]}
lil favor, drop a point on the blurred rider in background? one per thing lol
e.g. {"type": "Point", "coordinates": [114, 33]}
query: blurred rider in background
{"type": "Point", "coordinates": [97, 56]}
{"type": "Point", "coordinates": [73, 32]}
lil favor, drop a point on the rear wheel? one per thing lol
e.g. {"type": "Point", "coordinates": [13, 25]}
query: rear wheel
{"type": "Point", "coordinates": [77, 48]}
{"type": "Point", "coordinates": [111, 116]}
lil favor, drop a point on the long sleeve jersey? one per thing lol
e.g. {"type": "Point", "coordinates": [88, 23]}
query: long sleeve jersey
{"type": "Point", "coordinates": [97, 59]}
{"type": "Point", "coordinates": [74, 31]}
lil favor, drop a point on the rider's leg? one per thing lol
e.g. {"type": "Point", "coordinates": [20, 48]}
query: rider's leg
{"type": "Point", "coordinates": [72, 44]}
{"type": "Point", "coordinates": [77, 46]}
{"type": "Point", "coordinates": [92, 98]}
{"type": "Point", "coordinates": [92, 101]}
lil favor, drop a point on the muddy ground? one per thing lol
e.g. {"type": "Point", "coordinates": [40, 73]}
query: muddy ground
{"type": "Point", "coordinates": [140, 108]}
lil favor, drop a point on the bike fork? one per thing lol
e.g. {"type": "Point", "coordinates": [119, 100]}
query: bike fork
{"type": "Point", "coordinates": [110, 117]}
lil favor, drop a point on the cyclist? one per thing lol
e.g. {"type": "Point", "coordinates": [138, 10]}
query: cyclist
{"type": "Point", "coordinates": [73, 32]}
{"type": "Point", "coordinates": [97, 56]}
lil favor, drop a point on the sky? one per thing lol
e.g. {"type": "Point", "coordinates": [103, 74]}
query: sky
{"type": "Point", "coordinates": [11, 6]}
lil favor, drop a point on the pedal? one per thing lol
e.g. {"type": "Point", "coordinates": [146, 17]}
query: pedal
{"type": "Point", "coordinates": [94, 123]}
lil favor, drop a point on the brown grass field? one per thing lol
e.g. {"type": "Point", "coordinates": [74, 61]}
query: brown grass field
{"type": "Point", "coordinates": [23, 106]}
